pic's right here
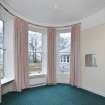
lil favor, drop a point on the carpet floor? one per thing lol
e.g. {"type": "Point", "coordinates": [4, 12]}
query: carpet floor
{"type": "Point", "coordinates": [53, 95]}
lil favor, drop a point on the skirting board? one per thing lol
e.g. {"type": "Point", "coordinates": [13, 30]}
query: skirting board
{"type": "Point", "coordinates": [94, 91]}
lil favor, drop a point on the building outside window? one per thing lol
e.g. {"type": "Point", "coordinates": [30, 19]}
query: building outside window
{"type": "Point", "coordinates": [63, 55]}
{"type": "Point", "coordinates": [63, 52]}
{"type": "Point", "coordinates": [65, 58]}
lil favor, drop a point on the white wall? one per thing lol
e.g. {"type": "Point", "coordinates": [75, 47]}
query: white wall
{"type": "Point", "coordinates": [93, 42]}
{"type": "Point", "coordinates": [93, 20]}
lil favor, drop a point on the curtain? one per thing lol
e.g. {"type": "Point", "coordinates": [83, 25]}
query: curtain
{"type": "Point", "coordinates": [75, 55]}
{"type": "Point", "coordinates": [51, 74]}
{"type": "Point", "coordinates": [21, 54]}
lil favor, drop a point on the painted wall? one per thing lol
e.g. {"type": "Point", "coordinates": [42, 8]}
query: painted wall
{"type": "Point", "coordinates": [93, 42]}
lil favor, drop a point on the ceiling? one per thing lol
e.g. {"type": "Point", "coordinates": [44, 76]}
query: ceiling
{"type": "Point", "coordinates": [55, 12]}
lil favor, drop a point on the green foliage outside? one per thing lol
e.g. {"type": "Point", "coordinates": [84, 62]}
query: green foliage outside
{"type": "Point", "coordinates": [36, 61]}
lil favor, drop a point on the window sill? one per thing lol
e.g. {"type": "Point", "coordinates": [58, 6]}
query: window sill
{"type": "Point", "coordinates": [6, 80]}
{"type": "Point", "coordinates": [35, 74]}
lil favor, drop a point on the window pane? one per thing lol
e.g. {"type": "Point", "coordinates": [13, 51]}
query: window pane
{"type": "Point", "coordinates": [1, 26]}
{"type": "Point", "coordinates": [35, 41]}
{"type": "Point", "coordinates": [1, 62]}
{"type": "Point", "coordinates": [1, 50]}
{"type": "Point", "coordinates": [35, 52]}
{"type": "Point", "coordinates": [64, 43]}
{"type": "Point", "coordinates": [35, 57]}
{"type": "Point", "coordinates": [63, 55]}
{"type": "Point", "coordinates": [1, 34]}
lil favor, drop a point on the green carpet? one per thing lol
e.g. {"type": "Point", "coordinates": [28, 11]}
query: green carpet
{"type": "Point", "coordinates": [53, 95]}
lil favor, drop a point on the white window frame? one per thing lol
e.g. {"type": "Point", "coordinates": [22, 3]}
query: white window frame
{"type": "Point", "coordinates": [58, 31]}
{"type": "Point", "coordinates": [3, 72]}
{"type": "Point", "coordinates": [44, 49]}
{"type": "Point", "coordinates": [8, 45]}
